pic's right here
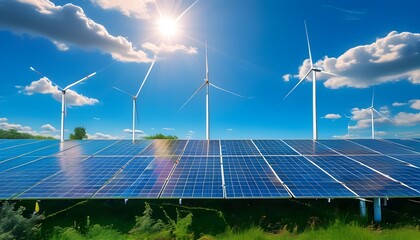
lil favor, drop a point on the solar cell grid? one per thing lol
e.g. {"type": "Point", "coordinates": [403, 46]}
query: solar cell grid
{"type": "Point", "coordinates": [6, 165]}
{"type": "Point", "coordinates": [413, 159]}
{"type": "Point", "coordinates": [87, 147]}
{"type": "Point", "coordinates": [161, 147]}
{"type": "Point", "coordinates": [202, 148]}
{"type": "Point", "coordinates": [125, 148]}
{"type": "Point", "coordinates": [305, 180]}
{"type": "Point", "coordinates": [362, 180]}
{"type": "Point", "coordinates": [345, 147]}
{"type": "Point", "coordinates": [26, 148]}
{"type": "Point", "coordinates": [309, 147]}
{"type": "Point", "coordinates": [81, 180]}
{"type": "Point", "coordinates": [383, 147]}
{"type": "Point", "coordinates": [274, 147]}
{"type": "Point", "coordinates": [143, 177]}
{"type": "Point", "coordinates": [408, 143]}
{"type": "Point", "coordinates": [251, 177]}
{"type": "Point", "coordinates": [238, 147]}
{"type": "Point", "coordinates": [195, 177]}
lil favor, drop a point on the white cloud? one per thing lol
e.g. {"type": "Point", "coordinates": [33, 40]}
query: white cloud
{"type": "Point", "coordinates": [392, 58]}
{"type": "Point", "coordinates": [168, 129]}
{"type": "Point", "coordinates": [49, 128]}
{"type": "Point", "coordinates": [131, 131]}
{"type": "Point", "coordinates": [167, 48]}
{"type": "Point", "coordinates": [66, 26]}
{"type": "Point", "coordinates": [99, 135]}
{"type": "Point", "coordinates": [398, 104]}
{"type": "Point", "coordinates": [132, 8]}
{"type": "Point", "coordinates": [44, 86]}
{"type": "Point", "coordinates": [406, 119]}
{"type": "Point", "coordinates": [3, 119]}
{"type": "Point", "coordinates": [415, 104]}
{"type": "Point", "coordinates": [18, 127]}
{"type": "Point", "coordinates": [229, 129]}
{"type": "Point", "coordinates": [363, 118]}
{"type": "Point", "coordinates": [332, 116]}
{"type": "Point", "coordinates": [287, 77]}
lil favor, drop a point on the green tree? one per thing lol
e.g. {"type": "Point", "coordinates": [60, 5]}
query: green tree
{"type": "Point", "coordinates": [79, 134]}
{"type": "Point", "coordinates": [14, 134]}
{"type": "Point", "coordinates": [161, 136]}
{"type": "Point", "coordinates": [14, 226]}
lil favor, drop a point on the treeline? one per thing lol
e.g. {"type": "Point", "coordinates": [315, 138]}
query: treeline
{"type": "Point", "coordinates": [161, 136]}
{"type": "Point", "coordinates": [14, 134]}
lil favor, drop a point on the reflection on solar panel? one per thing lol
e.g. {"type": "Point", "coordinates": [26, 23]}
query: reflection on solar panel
{"type": "Point", "coordinates": [412, 159]}
{"type": "Point", "coordinates": [402, 172]}
{"type": "Point", "coordinates": [345, 147]}
{"type": "Point", "coordinates": [202, 148]}
{"type": "Point", "coordinates": [125, 148]}
{"type": "Point", "coordinates": [239, 147]}
{"type": "Point", "coordinates": [305, 180]}
{"type": "Point", "coordinates": [410, 144]}
{"type": "Point", "coordinates": [78, 181]}
{"type": "Point", "coordinates": [143, 177]}
{"type": "Point", "coordinates": [309, 147]}
{"type": "Point", "coordinates": [165, 147]}
{"type": "Point", "coordinates": [195, 177]}
{"type": "Point", "coordinates": [362, 180]}
{"type": "Point", "coordinates": [382, 146]}
{"type": "Point", "coordinates": [251, 177]}
{"type": "Point", "coordinates": [274, 147]}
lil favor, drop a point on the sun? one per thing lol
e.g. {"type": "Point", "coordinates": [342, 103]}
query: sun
{"type": "Point", "coordinates": [167, 26]}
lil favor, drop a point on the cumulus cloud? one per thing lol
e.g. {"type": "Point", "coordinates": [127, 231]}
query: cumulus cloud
{"type": "Point", "coordinates": [363, 118]}
{"type": "Point", "coordinates": [168, 129]}
{"type": "Point", "coordinates": [66, 26]}
{"type": "Point", "coordinates": [132, 8]}
{"type": "Point", "coordinates": [415, 104]}
{"type": "Point", "coordinates": [392, 58]}
{"type": "Point", "coordinates": [131, 131]}
{"type": "Point", "coordinates": [18, 127]}
{"type": "Point", "coordinates": [3, 119]}
{"type": "Point", "coordinates": [398, 104]}
{"type": "Point", "coordinates": [99, 135]}
{"type": "Point", "coordinates": [49, 128]}
{"type": "Point", "coordinates": [287, 77]}
{"type": "Point", "coordinates": [332, 116]}
{"type": "Point", "coordinates": [168, 48]}
{"type": "Point", "coordinates": [407, 119]}
{"type": "Point", "coordinates": [44, 86]}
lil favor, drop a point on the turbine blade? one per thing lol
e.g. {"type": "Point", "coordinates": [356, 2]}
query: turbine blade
{"type": "Point", "coordinates": [184, 12]}
{"type": "Point", "coordinates": [211, 84]}
{"type": "Point", "coordinates": [381, 115]}
{"type": "Point", "coordinates": [123, 91]}
{"type": "Point", "coordinates": [309, 45]}
{"type": "Point", "coordinates": [192, 96]}
{"type": "Point", "coordinates": [207, 65]}
{"type": "Point", "coordinates": [79, 81]}
{"type": "Point", "coordinates": [42, 75]}
{"type": "Point", "coordinates": [330, 73]}
{"type": "Point", "coordinates": [298, 83]}
{"type": "Point", "coordinates": [145, 78]}
{"type": "Point", "coordinates": [373, 97]}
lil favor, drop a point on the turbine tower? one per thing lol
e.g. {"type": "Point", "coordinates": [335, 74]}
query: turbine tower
{"type": "Point", "coordinates": [312, 70]}
{"type": "Point", "coordinates": [63, 97]}
{"type": "Point", "coordinates": [372, 112]}
{"type": "Point", "coordinates": [207, 84]}
{"type": "Point", "coordinates": [134, 97]}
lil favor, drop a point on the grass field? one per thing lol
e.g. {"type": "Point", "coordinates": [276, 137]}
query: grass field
{"type": "Point", "coordinates": [224, 219]}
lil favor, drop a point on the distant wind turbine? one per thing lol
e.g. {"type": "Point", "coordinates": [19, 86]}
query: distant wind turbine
{"type": "Point", "coordinates": [348, 125]}
{"type": "Point", "coordinates": [63, 97]}
{"type": "Point", "coordinates": [134, 97]}
{"type": "Point", "coordinates": [372, 111]}
{"type": "Point", "coordinates": [207, 84]}
{"type": "Point", "coordinates": [313, 70]}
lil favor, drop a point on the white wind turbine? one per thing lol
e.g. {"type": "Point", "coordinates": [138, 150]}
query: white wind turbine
{"type": "Point", "coordinates": [207, 84]}
{"type": "Point", "coordinates": [372, 112]}
{"type": "Point", "coordinates": [313, 70]}
{"type": "Point", "coordinates": [63, 97]}
{"type": "Point", "coordinates": [134, 97]}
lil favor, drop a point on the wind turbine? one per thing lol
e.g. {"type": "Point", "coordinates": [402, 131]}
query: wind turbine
{"type": "Point", "coordinates": [372, 111]}
{"type": "Point", "coordinates": [63, 97]}
{"type": "Point", "coordinates": [134, 97]}
{"type": "Point", "coordinates": [348, 125]}
{"type": "Point", "coordinates": [207, 84]}
{"type": "Point", "coordinates": [313, 70]}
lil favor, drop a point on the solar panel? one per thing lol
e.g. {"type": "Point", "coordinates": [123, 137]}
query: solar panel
{"type": "Point", "coordinates": [195, 177]}
{"type": "Point", "coordinates": [238, 147]}
{"type": "Point", "coordinates": [125, 148]}
{"type": "Point", "coordinates": [5, 143]}
{"type": "Point", "coordinates": [309, 147]}
{"type": "Point", "coordinates": [412, 159]}
{"type": "Point", "coordinates": [54, 149]}
{"type": "Point", "coordinates": [87, 147]}
{"type": "Point", "coordinates": [251, 177]}
{"type": "Point", "coordinates": [16, 180]}
{"type": "Point", "coordinates": [164, 147]}
{"type": "Point", "coordinates": [202, 148]}
{"type": "Point", "coordinates": [274, 147]}
{"type": "Point", "coordinates": [26, 148]}
{"type": "Point", "coordinates": [382, 146]}
{"type": "Point", "coordinates": [402, 172]}
{"type": "Point", "coordinates": [305, 180]}
{"type": "Point", "coordinates": [81, 180]}
{"type": "Point", "coordinates": [16, 162]}
{"type": "Point", "coordinates": [143, 177]}
{"type": "Point", "coordinates": [408, 143]}
{"type": "Point", "coordinates": [345, 147]}
{"type": "Point", "coordinates": [362, 180]}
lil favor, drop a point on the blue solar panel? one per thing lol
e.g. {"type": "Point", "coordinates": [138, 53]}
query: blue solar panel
{"type": "Point", "coordinates": [383, 147]}
{"type": "Point", "coordinates": [251, 177]}
{"type": "Point", "coordinates": [362, 180]}
{"type": "Point", "coordinates": [195, 177]}
{"type": "Point", "coordinates": [54, 149]}
{"type": "Point", "coordinates": [16, 180]}
{"type": "Point", "coordinates": [202, 148]}
{"type": "Point", "coordinates": [346, 148]}
{"type": "Point", "coordinates": [125, 148]}
{"type": "Point", "coordinates": [26, 148]}
{"type": "Point", "coordinates": [309, 147]}
{"type": "Point", "coordinates": [87, 147]}
{"type": "Point", "coordinates": [6, 143]}
{"type": "Point", "coordinates": [305, 180]}
{"type": "Point", "coordinates": [397, 170]}
{"type": "Point", "coordinates": [412, 159]}
{"type": "Point", "coordinates": [162, 147]}
{"type": "Point", "coordinates": [16, 162]}
{"type": "Point", "coordinates": [408, 143]}
{"type": "Point", "coordinates": [274, 147]}
{"type": "Point", "coordinates": [238, 147]}
{"type": "Point", "coordinates": [81, 180]}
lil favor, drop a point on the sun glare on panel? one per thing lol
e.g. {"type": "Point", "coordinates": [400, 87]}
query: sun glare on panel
{"type": "Point", "coordinates": [167, 26]}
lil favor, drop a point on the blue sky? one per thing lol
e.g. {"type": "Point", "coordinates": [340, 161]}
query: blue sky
{"type": "Point", "coordinates": [255, 48]}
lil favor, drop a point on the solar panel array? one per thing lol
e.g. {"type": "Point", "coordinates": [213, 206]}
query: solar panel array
{"type": "Point", "coordinates": [108, 169]}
